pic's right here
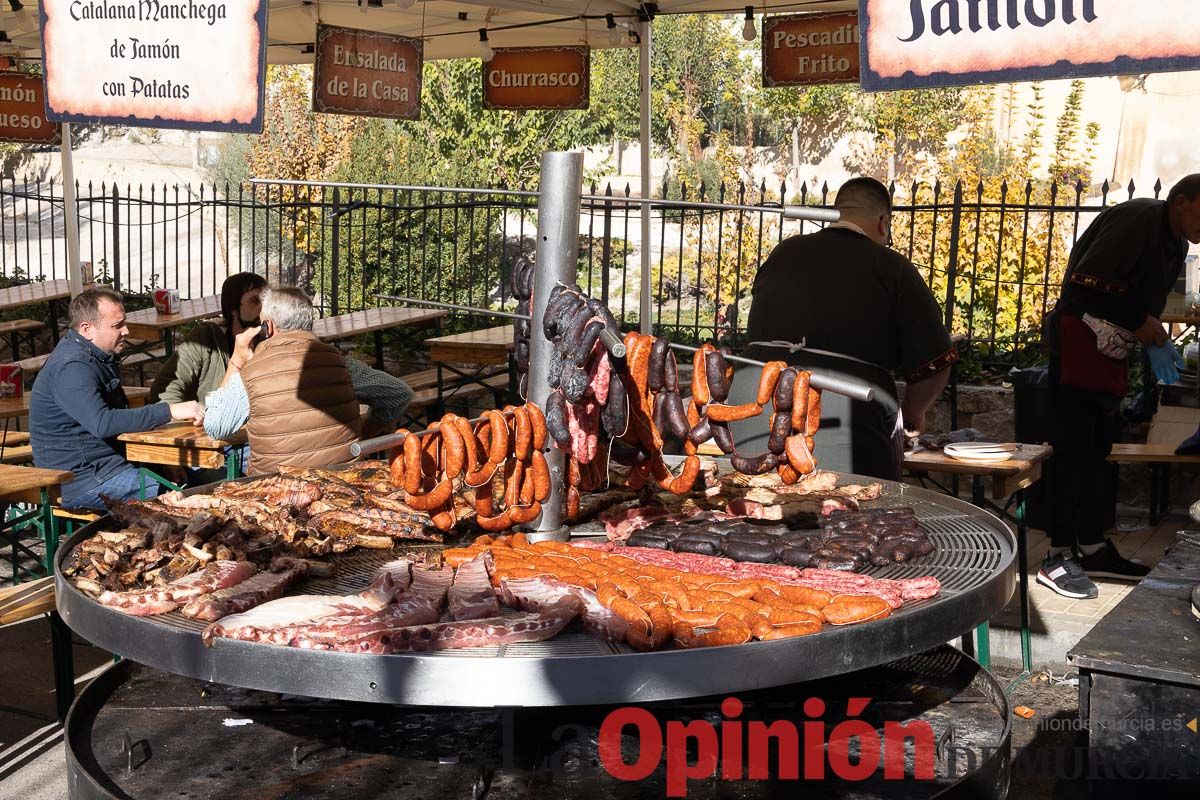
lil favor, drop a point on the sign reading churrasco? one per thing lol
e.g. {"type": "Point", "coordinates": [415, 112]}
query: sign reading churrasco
{"type": "Point", "coordinates": [197, 64]}
{"type": "Point", "coordinates": [367, 73]}
{"type": "Point", "coordinates": [919, 43]}
{"type": "Point", "coordinates": [537, 77]}
{"type": "Point", "coordinates": [23, 109]}
{"type": "Point", "coordinates": [807, 49]}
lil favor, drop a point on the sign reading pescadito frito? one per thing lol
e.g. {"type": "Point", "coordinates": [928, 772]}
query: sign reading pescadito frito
{"type": "Point", "coordinates": [920, 43]}
{"type": "Point", "coordinates": [537, 77]}
{"type": "Point", "coordinates": [23, 109]}
{"type": "Point", "coordinates": [807, 49]}
{"type": "Point", "coordinates": [197, 64]}
{"type": "Point", "coordinates": [367, 73]}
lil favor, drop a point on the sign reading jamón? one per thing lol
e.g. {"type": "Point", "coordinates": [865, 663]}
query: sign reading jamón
{"type": "Point", "coordinates": [198, 64]}
{"type": "Point", "coordinates": [807, 49]}
{"type": "Point", "coordinates": [23, 109]}
{"type": "Point", "coordinates": [537, 77]}
{"type": "Point", "coordinates": [920, 43]}
{"type": "Point", "coordinates": [367, 73]}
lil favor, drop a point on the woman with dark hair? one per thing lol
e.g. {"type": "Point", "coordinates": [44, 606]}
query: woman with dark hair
{"type": "Point", "coordinates": [199, 363]}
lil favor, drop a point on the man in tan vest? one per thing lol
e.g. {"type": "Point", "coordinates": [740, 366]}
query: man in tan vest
{"type": "Point", "coordinates": [291, 391]}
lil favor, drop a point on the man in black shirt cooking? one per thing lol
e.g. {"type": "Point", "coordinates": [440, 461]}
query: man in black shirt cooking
{"type": "Point", "coordinates": [1113, 293]}
{"type": "Point", "coordinates": [844, 290]}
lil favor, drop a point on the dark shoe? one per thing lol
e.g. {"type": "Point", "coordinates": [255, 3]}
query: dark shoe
{"type": "Point", "coordinates": [1196, 601]}
{"type": "Point", "coordinates": [1108, 563]}
{"type": "Point", "coordinates": [1063, 575]}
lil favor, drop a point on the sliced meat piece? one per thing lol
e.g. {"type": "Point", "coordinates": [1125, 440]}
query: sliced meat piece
{"type": "Point", "coordinates": [540, 593]}
{"type": "Point", "coordinates": [148, 602]}
{"type": "Point", "coordinates": [253, 591]}
{"type": "Point", "coordinates": [471, 596]}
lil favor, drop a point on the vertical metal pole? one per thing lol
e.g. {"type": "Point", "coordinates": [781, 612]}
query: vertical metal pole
{"type": "Point", "coordinates": [334, 286]}
{"type": "Point", "coordinates": [70, 218]}
{"type": "Point", "coordinates": [557, 245]}
{"type": "Point", "coordinates": [644, 27]}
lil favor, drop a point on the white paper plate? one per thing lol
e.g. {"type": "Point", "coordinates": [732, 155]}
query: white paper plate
{"type": "Point", "coordinates": [978, 454]}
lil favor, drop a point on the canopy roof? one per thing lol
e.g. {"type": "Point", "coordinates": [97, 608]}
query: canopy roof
{"type": "Point", "coordinates": [450, 29]}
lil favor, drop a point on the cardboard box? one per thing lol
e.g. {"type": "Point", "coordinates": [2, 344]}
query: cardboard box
{"type": "Point", "coordinates": [11, 381]}
{"type": "Point", "coordinates": [166, 301]}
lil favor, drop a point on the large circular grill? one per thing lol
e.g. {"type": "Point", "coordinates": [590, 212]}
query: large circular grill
{"type": "Point", "coordinates": [974, 561]}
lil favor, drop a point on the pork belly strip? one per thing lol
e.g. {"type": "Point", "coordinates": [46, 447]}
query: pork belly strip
{"type": "Point", "coordinates": [408, 610]}
{"type": "Point", "coordinates": [472, 633]}
{"type": "Point", "coordinates": [276, 621]}
{"type": "Point", "coordinates": [471, 596]}
{"type": "Point", "coordinates": [542, 592]}
{"type": "Point", "coordinates": [252, 592]}
{"type": "Point", "coordinates": [160, 600]}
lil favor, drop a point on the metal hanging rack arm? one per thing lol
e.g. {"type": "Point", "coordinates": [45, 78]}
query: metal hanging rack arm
{"type": "Point", "coordinates": [380, 443]}
{"type": "Point", "coordinates": [852, 389]}
{"type": "Point", "coordinates": [616, 347]}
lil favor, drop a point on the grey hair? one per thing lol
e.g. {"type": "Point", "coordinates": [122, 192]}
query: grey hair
{"type": "Point", "coordinates": [288, 307]}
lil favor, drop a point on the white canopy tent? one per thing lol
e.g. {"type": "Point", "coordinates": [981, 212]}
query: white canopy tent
{"type": "Point", "coordinates": [449, 30]}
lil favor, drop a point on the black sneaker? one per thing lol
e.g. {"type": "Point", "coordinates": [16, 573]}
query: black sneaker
{"type": "Point", "coordinates": [1063, 575]}
{"type": "Point", "coordinates": [1108, 563]}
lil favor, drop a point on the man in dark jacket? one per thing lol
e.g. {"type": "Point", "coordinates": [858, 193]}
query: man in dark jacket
{"type": "Point", "coordinates": [1113, 293]}
{"type": "Point", "coordinates": [844, 290]}
{"type": "Point", "coordinates": [78, 408]}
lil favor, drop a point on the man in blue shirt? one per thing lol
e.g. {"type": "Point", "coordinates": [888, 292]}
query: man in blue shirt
{"type": "Point", "coordinates": [78, 408]}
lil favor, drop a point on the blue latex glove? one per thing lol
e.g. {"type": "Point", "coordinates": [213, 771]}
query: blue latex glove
{"type": "Point", "coordinates": [1165, 361]}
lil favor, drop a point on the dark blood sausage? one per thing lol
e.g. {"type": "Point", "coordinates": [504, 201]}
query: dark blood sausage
{"type": "Point", "coordinates": [671, 373]}
{"type": "Point", "coordinates": [590, 334]}
{"type": "Point", "coordinates": [782, 399]}
{"type": "Point", "coordinates": [574, 382]}
{"type": "Point", "coordinates": [556, 420]}
{"type": "Point", "coordinates": [676, 416]}
{"type": "Point", "coordinates": [554, 373]}
{"type": "Point", "coordinates": [658, 363]}
{"type": "Point", "coordinates": [781, 429]}
{"type": "Point", "coordinates": [796, 557]}
{"type": "Point", "coordinates": [841, 565]}
{"type": "Point", "coordinates": [692, 533]}
{"type": "Point", "coordinates": [804, 537]}
{"type": "Point", "coordinates": [724, 439]}
{"type": "Point", "coordinates": [701, 433]}
{"type": "Point", "coordinates": [714, 372]}
{"type": "Point", "coordinates": [521, 331]}
{"type": "Point", "coordinates": [613, 416]}
{"type": "Point", "coordinates": [686, 544]}
{"type": "Point", "coordinates": [753, 465]}
{"type": "Point", "coordinates": [659, 415]}
{"type": "Point", "coordinates": [558, 311]}
{"type": "Point", "coordinates": [749, 551]}
{"type": "Point", "coordinates": [646, 540]}
{"type": "Point", "coordinates": [574, 330]}
{"type": "Point", "coordinates": [752, 538]}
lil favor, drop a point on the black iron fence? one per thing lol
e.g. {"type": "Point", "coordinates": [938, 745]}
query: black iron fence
{"type": "Point", "coordinates": [993, 253]}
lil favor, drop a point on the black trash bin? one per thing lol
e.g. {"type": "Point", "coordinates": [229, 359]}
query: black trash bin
{"type": "Point", "coordinates": [1033, 419]}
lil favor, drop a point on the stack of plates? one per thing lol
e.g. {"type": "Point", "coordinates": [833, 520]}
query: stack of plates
{"type": "Point", "coordinates": [981, 451]}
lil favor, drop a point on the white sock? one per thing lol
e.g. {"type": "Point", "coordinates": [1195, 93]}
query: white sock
{"type": "Point", "coordinates": [1054, 552]}
{"type": "Point", "coordinates": [1091, 549]}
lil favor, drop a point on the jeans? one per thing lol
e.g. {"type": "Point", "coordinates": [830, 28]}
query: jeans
{"type": "Point", "coordinates": [125, 485]}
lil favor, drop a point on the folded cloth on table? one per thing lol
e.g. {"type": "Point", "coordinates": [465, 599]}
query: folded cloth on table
{"type": "Point", "coordinates": [936, 441]}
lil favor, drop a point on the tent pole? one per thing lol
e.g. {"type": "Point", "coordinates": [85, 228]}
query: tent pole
{"type": "Point", "coordinates": [644, 51]}
{"type": "Point", "coordinates": [70, 213]}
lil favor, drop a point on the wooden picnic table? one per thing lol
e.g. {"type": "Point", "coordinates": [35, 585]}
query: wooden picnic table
{"type": "Point", "coordinates": [181, 444]}
{"type": "Point", "coordinates": [49, 292]}
{"type": "Point", "coordinates": [487, 346]}
{"type": "Point", "coordinates": [1009, 477]}
{"type": "Point", "coordinates": [150, 325]}
{"type": "Point", "coordinates": [483, 350]}
{"type": "Point", "coordinates": [13, 407]}
{"type": "Point", "coordinates": [375, 321]}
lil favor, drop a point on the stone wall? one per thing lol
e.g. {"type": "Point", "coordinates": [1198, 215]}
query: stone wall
{"type": "Point", "coordinates": [988, 409]}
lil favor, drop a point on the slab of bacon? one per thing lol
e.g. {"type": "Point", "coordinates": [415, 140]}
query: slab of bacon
{"type": "Point", "coordinates": [471, 595]}
{"type": "Point", "coordinates": [542, 592]}
{"type": "Point", "coordinates": [254, 591]}
{"type": "Point", "coordinates": [148, 602]}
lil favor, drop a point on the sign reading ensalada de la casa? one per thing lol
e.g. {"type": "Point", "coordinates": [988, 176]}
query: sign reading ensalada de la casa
{"type": "Point", "coordinates": [921, 43]}
{"type": "Point", "coordinates": [197, 64]}
{"type": "Point", "coordinates": [524, 78]}
{"type": "Point", "coordinates": [367, 73]}
{"type": "Point", "coordinates": [23, 109]}
{"type": "Point", "coordinates": [807, 49]}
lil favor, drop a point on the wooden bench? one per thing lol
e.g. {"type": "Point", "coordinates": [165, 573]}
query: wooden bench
{"type": "Point", "coordinates": [424, 379]}
{"type": "Point", "coordinates": [140, 359]}
{"type": "Point", "coordinates": [13, 438]}
{"type": "Point", "coordinates": [26, 600]}
{"type": "Point", "coordinates": [423, 399]}
{"type": "Point", "coordinates": [21, 454]}
{"type": "Point", "coordinates": [32, 366]}
{"type": "Point", "coordinates": [1160, 457]}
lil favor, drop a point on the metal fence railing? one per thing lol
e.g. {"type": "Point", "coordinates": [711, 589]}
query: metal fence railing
{"type": "Point", "coordinates": [993, 255]}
